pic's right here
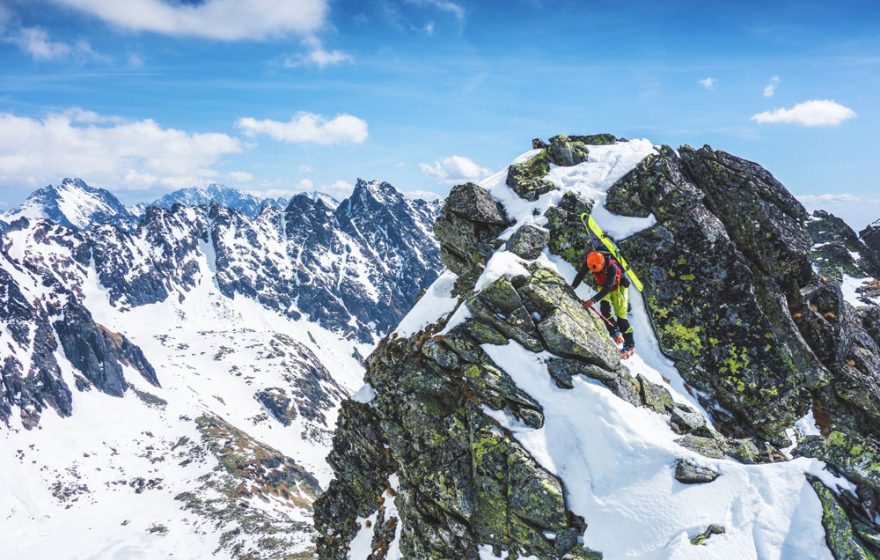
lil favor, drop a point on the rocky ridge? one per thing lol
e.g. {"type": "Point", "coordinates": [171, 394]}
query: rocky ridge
{"type": "Point", "coordinates": [773, 361]}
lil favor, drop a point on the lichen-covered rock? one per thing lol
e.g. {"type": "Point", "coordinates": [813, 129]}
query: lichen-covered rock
{"type": "Point", "coordinates": [689, 473]}
{"type": "Point", "coordinates": [528, 241]}
{"type": "Point", "coordinates": [839, 534]}
{"type": "Point", "coordinates": [568, 237]}
{"type": "Point", "coordinates": [467, 228]}
{"type": "Point", "coordinates": [601, 139]}
{"type": "Point", "coordinates": [565, 152]}
{"type": "Point", "coordinates": [837, 250]}
{"type": "Point", "coordinates": [870, 236]}
{"type": "Point", "coordinates": [654, 396]}
{"type": "Point", "coordinates": [527, 178]}
{"type": "Point", "coordinates": [688, 421]}
{"type": "Point", "coordinates": [706, 446]}
{"type": "Point", "coordinates": [715, 311]}
{"type": "Point", "coordinates": [705, 535]}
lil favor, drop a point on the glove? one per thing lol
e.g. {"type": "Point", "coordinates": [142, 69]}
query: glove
{"type": "Point", "coordinates": [587, 304]}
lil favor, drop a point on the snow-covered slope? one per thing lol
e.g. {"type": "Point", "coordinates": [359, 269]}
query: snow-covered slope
{"type": "Point", "coordinates": [170, 386]}
{"type": "Point", "coordinates": [482, 383]}
{"type": "Point", "coordinates": [72, 203]}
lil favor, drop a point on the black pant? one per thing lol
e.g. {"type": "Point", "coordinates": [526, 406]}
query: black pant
{"type": "Point", "coordinates": [622, 325]}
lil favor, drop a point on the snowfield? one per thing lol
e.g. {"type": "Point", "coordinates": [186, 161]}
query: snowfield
{"type": "Point", "coordinates": [111, 481]}
{"type": "Point", "coordinates": [617, 461]}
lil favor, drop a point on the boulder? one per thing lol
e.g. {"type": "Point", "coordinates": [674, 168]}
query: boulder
{"type": "Point", "coordinates": [689, 473]}
{"type": "Point", "coordinates": [527, 178]}
{"type": "Point", "coordinates": [708, 447]}
{"type": "Point", "coordinates": [528, 241]}
{"type": "Point", "coordinates": [565, 152]}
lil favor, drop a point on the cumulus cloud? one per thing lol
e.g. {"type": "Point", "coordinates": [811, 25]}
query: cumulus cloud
{"type": "Point", "coordinates": [228, 20]}
{"type": "Point", "coordinates": [240, 176]}
{"type": "Point", "coordinates": [829, 198]}
{"type": "Point", "coordinates": [424, 195]}
{"type": "Point", "coordinates": [106, 150]}
{"type": "Point", "coordinates": [308, 128]}
{"type": "Point", "coordinates": [708, 83]}
{"type": "Point", "coordinates": [818, 112]}
{"type": "Point", "coordinates": [455, 169]}
{"type": "Point", "coordinates": [317, 55]}
{"type": "Point", "coordinates": [770, 88]}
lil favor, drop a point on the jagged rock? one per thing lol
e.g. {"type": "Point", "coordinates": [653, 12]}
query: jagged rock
{"type": "Point", "coordinates": [837, 249]}
{"type": "Point", "coordinates": [839, 534]}
{"type": "Point", "coordinates": [467, 228]}
{"type": "Point", "coordinates": [596, 139]}
{"type": "Point", "coordinates": [689, 473]}
{"type": "Point", "coordinates": [744, 450]}
{"type": "Point", "coordinates": [500, 305]}
{"type": "Point", "coordinates": [435, 350]}
{"type": "Point", "coordinates": [566, 152]}
{"type": "Point", "coordinates": [717, 312]}
{"type": "Point", "coordinates": [528, 241]}
{"type": "Point", "coordinates": [498, 391]}
{"type": "Point", "coordinates": [870, 236]}
{"type": "Point", "coordinates": [99, 353]}
{"type": "Point", "coordinates": [655, 397]}
{"type": "Point", "coordinates": [565, 336]}
{"type": "Point", "coordinates": [538, 144]}
{"type": "Point", "coordinates": [568, 237]}
{"type": "Point", "coordinates": [690, 421]}
{"type": "Point", "coordinates": [621, 383]}
{"type": "Point", "coordinates": [278, 404]}
{"type": "Point", "coordinates": [708, 447]}
{"type": "Point", "coordinates": [527, 178]}
{"type": "Point", "coordinates": [855, 456]}
{"type": "Point", "coordinates": [705, 535]}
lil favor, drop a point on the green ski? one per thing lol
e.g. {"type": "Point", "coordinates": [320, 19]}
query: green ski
{"type": "Point", "coordinates": [591, 226]}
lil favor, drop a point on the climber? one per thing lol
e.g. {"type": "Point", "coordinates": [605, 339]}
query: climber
{"type": "Point", "coordinates": [612, 284]}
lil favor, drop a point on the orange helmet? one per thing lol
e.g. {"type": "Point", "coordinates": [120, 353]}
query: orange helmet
{"type": "Point", "coordinates": [596, 261]}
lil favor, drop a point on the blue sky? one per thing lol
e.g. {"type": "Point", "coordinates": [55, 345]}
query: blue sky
{"type": "Point", "coordinates": [278, 96]}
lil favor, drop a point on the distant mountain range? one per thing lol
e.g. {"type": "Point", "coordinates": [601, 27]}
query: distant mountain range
{"type": "Point", "coordinates": [74, 203]}
{"type": "Point", "coordinates": [174, 368]}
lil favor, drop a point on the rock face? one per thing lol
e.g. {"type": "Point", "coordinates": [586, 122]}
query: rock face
{"type": "Point", "coordinates": [735, 301]}
{"type": "Point", "coordinates": [732, 290]}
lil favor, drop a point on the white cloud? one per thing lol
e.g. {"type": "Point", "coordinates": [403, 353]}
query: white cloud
{"type": "Point", "coordinates": [424, 195]}
{"type": "Point", "coordinates": [428, 28]}
{"type": "Point", "coordinates": [106, 150]}
{"type": "Point", "coordinates": [455, 169]}
{"type": "Point", "coordinates": [36, 42]}
{"type": "Point", "coordinates": [451, 8]}
{"type": "Point", "coordinates": [770, 89]}
{"type": "Point", "coordinates": [338, 189]}
{"type": "Point", "coordinates": [830, 198]}
{"type": "Point", "coordinates": [818, 112]}
{"type": "Point", "coordinates": [708, 83]}
{"type": "Point", "coordinates": [317, 55]}
{"type": "Point", "coordinates": [856, 210]}
{"type": "Point", "coordinates": [240, 176]}
{"type": "Point", "coordinates": [229, 20]}
{"type": "Point", "coordinates": [308, 128]}
{"type": "Point", "coordinates": [304, 168]}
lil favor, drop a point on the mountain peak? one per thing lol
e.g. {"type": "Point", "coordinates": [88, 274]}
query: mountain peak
{"type": "Point", "coordinates": [72, 203]}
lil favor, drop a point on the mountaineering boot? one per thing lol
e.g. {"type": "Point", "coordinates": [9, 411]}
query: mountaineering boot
{"type": "Point", "coordinates": [629, 345]}
{"type": "Point", "coordinates": [618, 338]}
